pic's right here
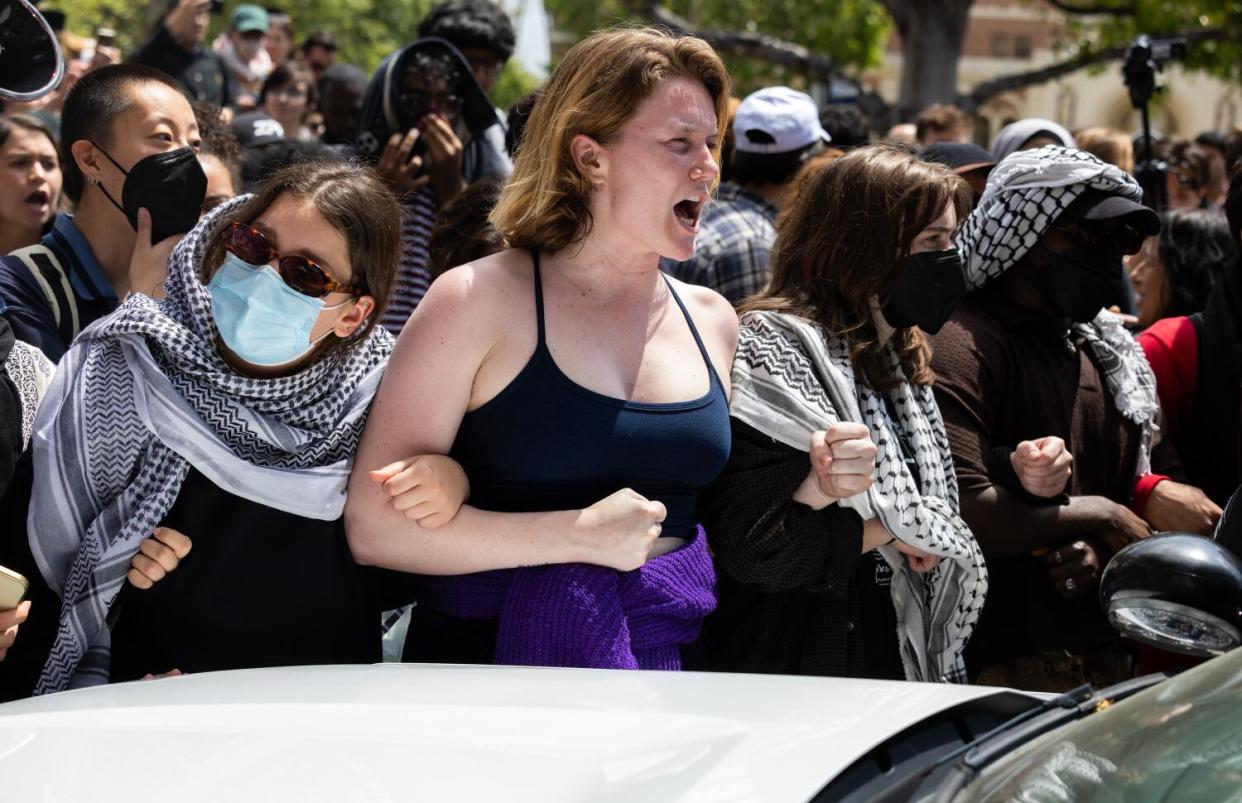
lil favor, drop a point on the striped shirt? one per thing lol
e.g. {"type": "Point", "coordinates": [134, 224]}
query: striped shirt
{"type": "Point", "coordinates": [414, 277]}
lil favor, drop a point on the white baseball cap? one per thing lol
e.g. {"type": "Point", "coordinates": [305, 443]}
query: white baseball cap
{"type": "Point", "coordinates": [777, 119]}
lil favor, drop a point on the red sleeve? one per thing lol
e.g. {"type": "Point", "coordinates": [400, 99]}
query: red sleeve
{"type": "Point", "coordinates": [1172, 349]}
{"type": "Point", "coordinates": [1143, 487]}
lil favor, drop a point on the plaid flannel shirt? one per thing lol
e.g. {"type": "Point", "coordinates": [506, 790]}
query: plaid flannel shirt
{"type": "Point", "coordinates": [731, 252]}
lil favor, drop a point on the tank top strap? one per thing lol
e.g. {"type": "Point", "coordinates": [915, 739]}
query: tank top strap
{"type": "Point", "coordinates": [711, 368]}
{"type": "Point", "coordinates": [538, 297]}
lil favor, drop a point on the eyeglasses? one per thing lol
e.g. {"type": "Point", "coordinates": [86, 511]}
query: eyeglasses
{"type": "Point", "coordinates": [248, 244]}
{"type": "Point", "coordinates": [420, 101]}
{"type": "Point", "coordinates": [1111, 235]}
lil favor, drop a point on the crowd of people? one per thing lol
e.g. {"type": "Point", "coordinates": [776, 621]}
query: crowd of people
{"type": "Point", "coordinates": [635, 374]}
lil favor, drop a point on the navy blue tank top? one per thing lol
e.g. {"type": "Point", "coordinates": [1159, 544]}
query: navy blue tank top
{"type": "Point", "coordinates": [547, 443]}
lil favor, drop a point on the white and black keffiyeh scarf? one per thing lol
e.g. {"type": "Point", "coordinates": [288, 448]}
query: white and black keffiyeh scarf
{"type": "Point", "coordinates": [31, 373]}
{"type": "Point", "coordinates": [788, 382]}
{"type": "Point", "coordinates": [141, 397]}
{"type": "Point", "coordinates": [1025, 195]}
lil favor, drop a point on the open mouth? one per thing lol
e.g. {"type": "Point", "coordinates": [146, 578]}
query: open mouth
{"type": "Point", "coordinates": [38, 198]}
{"type": "Point", "coordinates": [687, 211]}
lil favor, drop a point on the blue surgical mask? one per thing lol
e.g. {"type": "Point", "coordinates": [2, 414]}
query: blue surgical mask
{"type": "Point", "coordinates": [260, 318]}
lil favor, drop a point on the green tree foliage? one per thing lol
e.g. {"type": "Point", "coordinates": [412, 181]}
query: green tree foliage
{"type": "Point", "coordinates": [852, 32]}
{"type": "Point", "coordinates": [365, 30]}
{"type": "Point", "coordinates": [1220, 56]}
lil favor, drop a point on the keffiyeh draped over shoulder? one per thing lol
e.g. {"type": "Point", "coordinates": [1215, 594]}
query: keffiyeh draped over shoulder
{"type": "Point", "coordinates": [788, 382]}
{"type": "Point", "coordinates": [141, 397]}
{"type": "Point", "coordinates": [1025, 195]}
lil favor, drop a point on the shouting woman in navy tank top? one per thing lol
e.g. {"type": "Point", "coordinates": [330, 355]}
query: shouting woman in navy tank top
{"type": "Point", "coordinates": [584, 393]}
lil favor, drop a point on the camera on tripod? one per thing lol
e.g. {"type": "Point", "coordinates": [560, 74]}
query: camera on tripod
{"type": "Point", "coordinates": [1144, 59]}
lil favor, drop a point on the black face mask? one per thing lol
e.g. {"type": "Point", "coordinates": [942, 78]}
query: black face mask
{"type": "Point", "coordinates": [171, 185]}
{"type": "Point", "coordinates": [1080, 283]}
{"type": "Point", "coordinates": [930, 287]}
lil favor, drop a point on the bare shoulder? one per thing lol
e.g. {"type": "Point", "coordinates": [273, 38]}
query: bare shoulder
{"type": "Point", "coordinates": [466, 308]}
{"type": "Point", "coordinates": [713, 315]}
{"type": "Point", "coordinates": [479, 285]}
{"type": "Point", "coordinates": [716, 321]}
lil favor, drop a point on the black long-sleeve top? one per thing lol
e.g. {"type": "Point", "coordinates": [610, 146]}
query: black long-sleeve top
{"type": "Point", "coordinates": [797, 596]}
{"type": "Point", "coordinates": [201, 72]}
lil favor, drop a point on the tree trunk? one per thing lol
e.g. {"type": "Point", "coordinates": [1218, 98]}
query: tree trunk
{"type": "Point", "coordinates": [932, 33]}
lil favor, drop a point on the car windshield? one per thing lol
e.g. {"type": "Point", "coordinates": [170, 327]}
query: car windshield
{"type": "Point", "coordinates": [1178, 741]}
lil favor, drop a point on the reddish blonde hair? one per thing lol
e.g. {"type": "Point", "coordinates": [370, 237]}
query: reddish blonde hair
{"type": "Point", "coordinates": [594, 90]}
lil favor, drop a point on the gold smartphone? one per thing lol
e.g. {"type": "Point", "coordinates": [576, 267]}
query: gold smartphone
{"type": "Point", "coordinates": [12, 589]}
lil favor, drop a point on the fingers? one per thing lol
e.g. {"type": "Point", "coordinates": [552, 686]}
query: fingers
{"type": "Point", "coordinates": [415, 497]}
{"type": "Point", "coordinates": [856, 465]}
{"type": "Point", "coordinates": [144, 228]}
{"type": "Point", "coordinates": [159, 554]}
{"type": "Point", "coordinates": [657, 511]}
{"type": "Point", "coordinates": [821, 453]}
{"type": "Point", "coordinates": [412, 474]}
{"type": "Point", "coordinates": [148, 568]}
{"type": "Point", "coordinates": [382, 475]}
{"type": "Point", "coordinates": [139, 580]}
{"type": "Point", "coordinates": [1073, 568]}
{"type": "Point", "coordinates": [10, 622]}
{"type": "Point", "coordinates": [441, 141]}
{"type": "Point", "coordinates": [396, 166]}
{"type": "Point", "coordinates": [15, 616]}
{"type": "Point", "coordinates": [1051, 447]}
{"type": "Point", "coordinates": [178, 542]}
{"type": "Point", "coordinates": [922, 564]}
{"type": "Point", "coordinates": [846, 431]}
{"type": "Point", "coordinates": [841, 486]}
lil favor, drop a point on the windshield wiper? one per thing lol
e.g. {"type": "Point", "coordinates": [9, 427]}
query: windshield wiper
{"type": "Point", "coordinates": [964, 763]}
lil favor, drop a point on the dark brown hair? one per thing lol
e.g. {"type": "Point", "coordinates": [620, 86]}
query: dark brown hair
{"type": "Point", "coordinates": [356, 203]}
{"type": "Point", "coordinates": [839, 244]}
{"type": "Point", "coordinates": [292, 72]}
{"type": "Point", "coordinates": [26, 123]}
{"type": "Point", "coordinates": [462, 232]}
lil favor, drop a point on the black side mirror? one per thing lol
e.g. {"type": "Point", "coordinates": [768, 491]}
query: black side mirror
{"type": "Point", "coordinates": [1177, 592]}
{"type": "Point", "coordinates": [31, 64]}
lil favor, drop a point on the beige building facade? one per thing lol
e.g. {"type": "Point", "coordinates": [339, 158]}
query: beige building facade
{"type": "Point", "coordinates": [1013, 36]}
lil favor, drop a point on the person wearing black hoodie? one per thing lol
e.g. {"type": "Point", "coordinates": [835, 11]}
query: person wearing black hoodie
{"type": "Point", "coordinates": [423, 123]}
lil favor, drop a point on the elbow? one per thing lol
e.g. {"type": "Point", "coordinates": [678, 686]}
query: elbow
{"type": "Point", "coordinates": [362, 544]}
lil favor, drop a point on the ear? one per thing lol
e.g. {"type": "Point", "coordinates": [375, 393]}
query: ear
{"type": "Point", "coordinates": [590, 158]}
{"type": "Point", "coordinates": [87, 159]}
{"type": "Point", "coordinates": [355, 318]}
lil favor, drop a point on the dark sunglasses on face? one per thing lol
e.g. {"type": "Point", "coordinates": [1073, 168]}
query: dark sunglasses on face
{"type": "Point", "coordinates": [249, 245]}
{"type": "Point", "coordinates": [1113, 235]}
{"type": "Point", "coordinates": [421, 102]}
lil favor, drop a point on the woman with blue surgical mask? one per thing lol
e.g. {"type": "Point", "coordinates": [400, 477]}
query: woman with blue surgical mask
{"type": "Point", "coordinates": [225, 417]}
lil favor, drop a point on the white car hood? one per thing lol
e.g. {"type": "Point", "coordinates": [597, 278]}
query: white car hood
{"type": "Point", "coordinates": [425, 732]}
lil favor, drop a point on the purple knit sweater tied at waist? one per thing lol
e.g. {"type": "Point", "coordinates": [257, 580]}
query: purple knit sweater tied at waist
{"type": "Point", "coordinates": [576, 614]}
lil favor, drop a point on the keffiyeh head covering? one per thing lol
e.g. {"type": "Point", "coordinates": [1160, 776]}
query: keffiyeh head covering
{"type": "Point", "coordinates": [789, 381]}
{"type": "Point", "coordinates": [1025, 195]}
{"type": "Point", "coordinates": [142, 396]}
